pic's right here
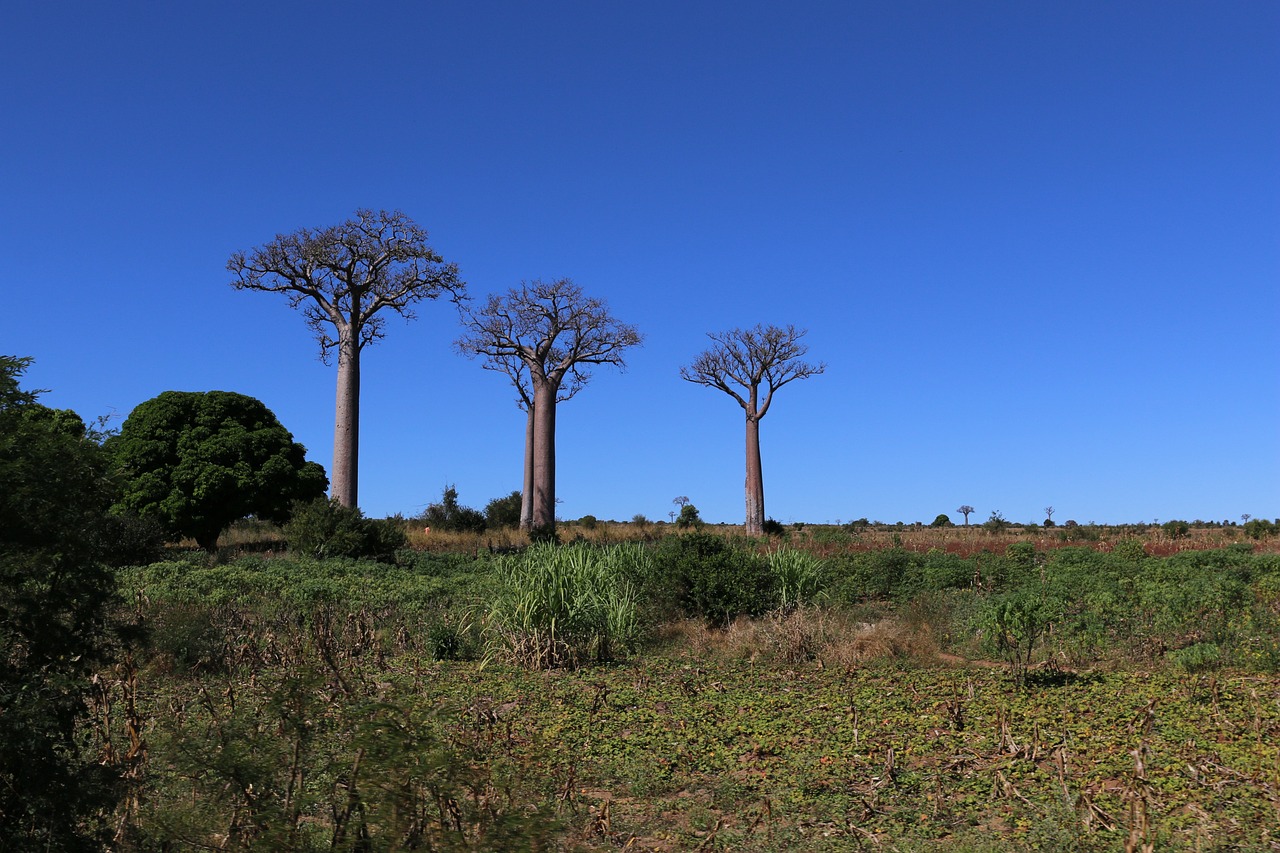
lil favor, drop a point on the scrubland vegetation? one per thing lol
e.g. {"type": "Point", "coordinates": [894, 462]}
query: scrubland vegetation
{"type": "Point", "coordinates": [849, 687]}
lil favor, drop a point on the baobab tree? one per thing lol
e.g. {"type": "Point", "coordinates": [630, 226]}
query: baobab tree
{"type": "Point", "coordinates": [515, 370]}
{"type": "Point", "coordinates": [556, 334]}
{"type": "Point", "coordinates": [343, 277]}
{"type": "Point", "coordinates": [739, 364]}
{"type": "Point", "coordinates": [965, 510]}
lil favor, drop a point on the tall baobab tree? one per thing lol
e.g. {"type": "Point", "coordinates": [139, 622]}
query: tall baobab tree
{"type": "Point", "coordinates": [965, 509]}
{"type": "Point", "coordinates": [343, 277]}
{"type": "Point", "coordinates": [741, 363]}
{"type": "Point", "coordinates": [554, 333]}
{"type": "Point", "coordinates": [515, 370]}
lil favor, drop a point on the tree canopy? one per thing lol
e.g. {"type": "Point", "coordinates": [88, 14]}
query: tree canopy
{"type": "Point", "coordinates": [54, 594]}
{"type": "Point", "coordinates": [741, 363]}
{"type": "Point", "coordinates": [555, 332]}
{"type": "Point", "coordinates": [344, 278]}
{"type": "Point", "coordinates": [197, 461]}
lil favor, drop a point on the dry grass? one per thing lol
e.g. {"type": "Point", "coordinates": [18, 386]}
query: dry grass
{"type": "Point", "coordinates": [829, 637]}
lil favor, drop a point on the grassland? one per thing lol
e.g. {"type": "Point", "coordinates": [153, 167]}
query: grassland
{"type": "Point", "coordinates": [289, 704]}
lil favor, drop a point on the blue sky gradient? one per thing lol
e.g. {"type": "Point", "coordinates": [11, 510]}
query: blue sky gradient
{"type": "Point", "coordinates": [1037, 244]}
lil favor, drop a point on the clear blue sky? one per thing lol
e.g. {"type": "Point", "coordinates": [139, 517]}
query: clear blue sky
{"type": "Point", "coordinates": [1037, 244]}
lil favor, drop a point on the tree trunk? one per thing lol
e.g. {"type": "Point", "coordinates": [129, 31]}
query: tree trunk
{"type": "Point", "coordinates": [544, 455]}
{"type": "Point", "coordinates": [346, 422]}
{"type": "Point", "coordinates": [755, 480]}
{"type": "Point", "coordinates": [526, 496]}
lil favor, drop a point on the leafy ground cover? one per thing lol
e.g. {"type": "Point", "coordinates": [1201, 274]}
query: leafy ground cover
{"type": "Point", "coordinates": [303, 704]}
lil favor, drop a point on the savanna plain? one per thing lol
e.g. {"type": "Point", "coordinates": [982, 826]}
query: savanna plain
{"type": "Point", "coordinates": [652, 687]}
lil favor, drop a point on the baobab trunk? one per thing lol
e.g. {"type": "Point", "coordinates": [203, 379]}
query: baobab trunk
{"type": "Point", "coordinates": [544, 455]}
{"type": "Point", "coordinates": [526, 496]}
{"type": "Point", "coordinates": [346, 422]}
{"type": "Point", "coordinates": [755, 480]}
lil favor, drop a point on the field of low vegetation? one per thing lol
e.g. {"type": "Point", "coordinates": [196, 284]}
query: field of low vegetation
{"type": "Point", "coordinates": [647, 688]}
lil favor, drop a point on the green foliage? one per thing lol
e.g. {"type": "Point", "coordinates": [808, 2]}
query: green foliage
{"type": "Point", "coordinates": [708, 578]}
{"type": "Point", "coordinates": [997, 523]}
{"type": "Point", "coordinates": [588, 522]}
{"type": "Point", "coordinates": [1015, 621]}
{"type": "Point", "coordinates": [798, 576]}
{"type": "Point", "coordinates": [564, 606]}
{"type": "Point", "coordinates": [1176, 529]}
{"type": "Point", "coordinates": [284, 764]}
{"type": "Point", "coordinates": [326, 528]}
{"type": "Point", "coordinates": [54, 627]}
{"type": "Point", "coordinates": [197, 461]}
{"type": "Point", "coordinates": [689, 517]}
{"type": "Point", "coordinates": [942, 520]}
{"type": "Point", "coordinates": [1258, 528]}
{"type": "Point", "coordinates": [772, 527]}
{"type": "Point", "coordinates": [448, 514]}
{"type": "Point", "coordinates": [503, 512]}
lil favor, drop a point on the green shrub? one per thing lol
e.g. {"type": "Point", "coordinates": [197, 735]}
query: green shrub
{"type": "Point", "coordinates": [712, 580]}
{"type": "Point", "coordinates": [1176, 529]}
{"type": "Point", "coordinates": [503, 512]}
{"type": "Point", "coordinates": [588, 522]}
{"type": "Point", "coordinates": [1257, 528]}
{"type": "Point", "coordinates": [942, 520]}
{"type": "Point", "coordinates": [772, 527]}
{"type": "Point", "coordinates": [448, 514]}
{"type": "Point", "coordinates": [1200, 657]}
{"type": "Point", "coordinates": [326, 528]}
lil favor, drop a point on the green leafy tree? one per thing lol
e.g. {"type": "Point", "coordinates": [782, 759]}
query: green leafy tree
{"type": "Point", "coordinates": [689, 517]}
{"type": "Point", "coordinates": [197, 461]}
{"type": "Point", "coordinates": [942, 520]}
{"type": "Point", "coordinates": [504, 512]}
{"type": "Point", "coordinates": [54, 630]}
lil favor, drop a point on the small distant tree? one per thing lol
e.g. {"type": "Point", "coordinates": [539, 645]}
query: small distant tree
{"type": "Point", "coordinates": [996, 523]}
{"type": "Point", "coordinates": [688, 517]}
{"type": "Point", "coordinates": [1048, 516]}
{"type": "Point", "coordinates": [943, 520]}
{"type": "Point", "coordinates": [741, 363]}
{"type": "Point", "coordinates": [964, 510]}
{"type": "Point", "coordinates": [344, 278]}
{"type": "Point", "coordinates": [196, 461]}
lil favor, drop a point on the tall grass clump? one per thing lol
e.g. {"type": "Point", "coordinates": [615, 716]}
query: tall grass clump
{"type": "Point", "coordinates": [798, 576]}
{"type": "Point", "coordinates": [562, 606]}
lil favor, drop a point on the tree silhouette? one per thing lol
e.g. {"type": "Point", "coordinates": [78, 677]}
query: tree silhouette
{"type": "Point", "coordinates": [552, 331]}
{"type": "Point", "coordinates": [739, 363]}
{"type": "Point", "coordinates": [965, 509]}
{"type": "Point", "coordinates": [343, 277]}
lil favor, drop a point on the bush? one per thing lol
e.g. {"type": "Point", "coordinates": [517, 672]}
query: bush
{"type": "Point", "coordinates": [450, 515]}
{"type": "Point", "coordinates": [326, 528]}
{"type": "Point", "coordinates": [772, 527]}
{"type": "Point", "coordinates": [1176, 529]}
{"type": "Point", "coordinates": [943, 520]}
{"type": "Point", "coordinates": [1257, 528]}
{"type": "Point", "coordinates": [588, 522]}
{"type": "Point", "coordinates": [712, 580]}
{"type": "Point", "coordinates": [503, 512]}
